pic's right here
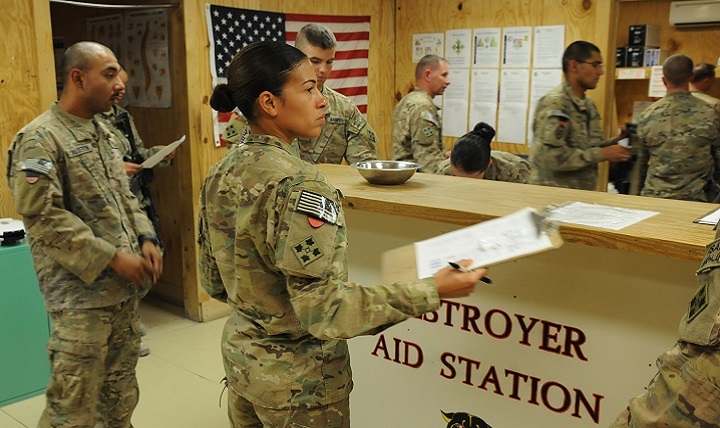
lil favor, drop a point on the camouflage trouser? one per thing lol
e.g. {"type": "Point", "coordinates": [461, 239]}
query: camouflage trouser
{"type": "Point", "coordinates": [243, 414]}
{"type": "Point", "coordinates": [93, 354]}
{"type": "Point", "coordinates": [684, 393]}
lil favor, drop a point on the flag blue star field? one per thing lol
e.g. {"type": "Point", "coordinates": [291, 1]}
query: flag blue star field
{"type": "Point", "coordinates": [230, 29]}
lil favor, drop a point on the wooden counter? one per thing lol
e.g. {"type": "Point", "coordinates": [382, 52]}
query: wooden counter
{"type": "Point", "coordinates": [467, 201]}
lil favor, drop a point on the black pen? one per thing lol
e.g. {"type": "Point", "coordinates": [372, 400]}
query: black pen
{"type": "Point", "coordinates": [484, 279]}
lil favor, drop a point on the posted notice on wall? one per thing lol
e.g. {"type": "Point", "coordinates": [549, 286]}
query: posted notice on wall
{"type": "Point", "coordinates": [549, 46]}
{"type": "Point", "coordinates": [455, 104]}
{"type": "Point", "coordinates": [517, 42]}
{"type": "Point", "coordinates": [427, 44]}
{"type": "Point", "coordinates": [486, 48]}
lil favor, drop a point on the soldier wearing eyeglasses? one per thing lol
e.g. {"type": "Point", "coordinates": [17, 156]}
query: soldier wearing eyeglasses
{"type": "Point", "coordinates": [568, 140]}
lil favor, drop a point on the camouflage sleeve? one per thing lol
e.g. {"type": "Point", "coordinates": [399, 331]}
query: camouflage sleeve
{"type": "Point", "coordinates": [310, 250]}
{"type": "Point", "coordinates": [715, 150]}
{"type": "Point", "coordinates": [361, 138]}
{"type": "Point", "coordinates": [553, 131]}
{"type": "Point", "coordinates": [426, 139]}
{"type": "Point", "coordinates": [208, 270]}
{"type": "Point", "coordinates": [444, 168]}
{"type": "Point", "coordinates": [640, 169]}
{"type": "Point", "coordinates": [36, 185]}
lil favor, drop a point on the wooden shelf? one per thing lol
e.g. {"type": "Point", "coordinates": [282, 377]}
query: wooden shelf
{"type": "Point", "coordinates": [632, 73]}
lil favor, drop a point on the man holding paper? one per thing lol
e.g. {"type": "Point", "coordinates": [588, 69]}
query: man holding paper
{"type": "Point", "coordinates": [132, 148]}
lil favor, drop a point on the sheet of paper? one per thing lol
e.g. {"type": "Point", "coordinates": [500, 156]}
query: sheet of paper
{"type": "Point", "coordinates": [603, 216]}
{"type": "Point", "coordinates": [710, 218]}
{"type": "Point", "coordinates": [656, 88]}
{"type": "Point", "coordinates": [486, 53]}
{"type": "Point", "coordinates": [487, 243]}
{"type": "Point", "coordinates": [549, 46]}
{"type": "Point", "coordinates": [483, 97]}
{"type": "Point", "coordinates": [455, 104]}
{"type": "Point", "coordinates": [458, 48]}
{"type": "Point", "coordinates": [516, 47]}
{"type": "Point", "coordinates": [427, 44]}
{"type": "Point", "coordinates": [160, 155]}
{"type": "Point", "coordinates": [512, 116]}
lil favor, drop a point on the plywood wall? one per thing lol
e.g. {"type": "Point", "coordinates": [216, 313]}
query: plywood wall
{"type": "Point", "coordinates": [27, 76]}
{"type": "Point", "coordinates": [583, 19]}
{"type": "Point", "coordinates": [699, 43]}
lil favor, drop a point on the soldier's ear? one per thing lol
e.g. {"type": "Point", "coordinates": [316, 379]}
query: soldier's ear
{"type": "Point", "coordinates": [76, 77]}
{"type": "Point", "coordinates": [268, 103]}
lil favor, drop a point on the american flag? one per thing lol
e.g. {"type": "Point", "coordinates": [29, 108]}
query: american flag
{"type": "Point", "coordinates": [230, 29]}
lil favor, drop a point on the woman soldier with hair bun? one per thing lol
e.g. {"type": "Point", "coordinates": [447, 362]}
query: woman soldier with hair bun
{"type": "Point", "coordinates": [273, 245]}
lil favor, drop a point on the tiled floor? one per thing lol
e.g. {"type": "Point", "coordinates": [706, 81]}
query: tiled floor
{"type": "Point", "coordinates": [179, 381]}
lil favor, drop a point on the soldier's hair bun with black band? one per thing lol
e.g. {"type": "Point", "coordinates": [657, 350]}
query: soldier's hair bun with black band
{"type": "Point", "coordinates": [483, 130]}
{"type": "Point", "coordinates": [221, 99]}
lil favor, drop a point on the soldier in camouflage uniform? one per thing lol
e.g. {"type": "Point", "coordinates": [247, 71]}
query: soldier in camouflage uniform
{"type": "Point", "coordinates": [110, 118]}
{"type": "Point", "coordinates": [678, 142]}
{"type": "Point", "coordinates": [272, 242]}
{"type": "Point", "coordinates": [702, 82]}
{"type": "Point", "coordinates": [686, 390]}
{"type": "Point", "coordinates": [568, 142]}
{"type": "Point", "coordinates": [93, 248]}
{"type": "Point", "coordinates": [346, 134]}
{"type": "Point", "coordinates": [471, 157]}
{"type": "Point", "coordinates": [417, 129]}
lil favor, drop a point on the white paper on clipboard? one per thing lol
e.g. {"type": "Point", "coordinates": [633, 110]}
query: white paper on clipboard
{"type": "Point", "coordinates": [488, 243]}
{"type": "Point", "coordinates": [160, 155]}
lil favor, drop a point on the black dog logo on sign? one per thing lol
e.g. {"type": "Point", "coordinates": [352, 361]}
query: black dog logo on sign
{"type": "Point", "coordinates": [463, 420]}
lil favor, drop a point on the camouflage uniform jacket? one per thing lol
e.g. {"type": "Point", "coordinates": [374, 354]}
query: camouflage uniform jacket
{"type": "Point", "coordinates": [686, 390]}
{"type": "Point", "coordinates": [567, 144]}
{"type": "Point", "coordinates": [272, 241]}
{"type": "Point", "coordinates": [417, 131]}
{"type": "Point", "coordinates": [71, 190]}
{"type": "Point", "coordinates": [678, 145]}
{"type": "Point", "coordinates": [714, 102]}
{"type": "Point", "coordinates": [345, 135]}
{"type": "Point", "coordinates": [123, 144]}
{"type": "Point", "coordinates": [504, 167]}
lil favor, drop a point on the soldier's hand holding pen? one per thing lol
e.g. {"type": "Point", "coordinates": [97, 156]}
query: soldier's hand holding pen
{"type": "Point", "coordinates": [452, 282]}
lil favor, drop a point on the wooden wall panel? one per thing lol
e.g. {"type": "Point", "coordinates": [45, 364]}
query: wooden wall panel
{"type": "Point", "coordinates": [698, 43]}
{"type": "Point", "coordinates": [27, 76]}
{"type": "Point", "coordinates": [583, 19]}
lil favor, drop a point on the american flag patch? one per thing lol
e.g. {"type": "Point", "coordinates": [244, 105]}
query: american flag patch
{"type": "Point", "coordinates": [40, 166]}
{"type": "Point", "coordinates": [318, 206]}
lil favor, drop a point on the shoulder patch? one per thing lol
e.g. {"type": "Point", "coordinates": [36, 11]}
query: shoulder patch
{"type": "Point", "coordinates": [698, 303]}
{"type": "Point", "coordinates": [560, 115]}
{"type": "Point", "coordinates": [39, 166]}
{"type": "Point", "coordinates": [429, 131]}
{"type": "Point", "coordinates": [317, 206]}
{"type": "Point", "coordinates": [307, 251]}
{"type": "Point", "coordinates": [430, 118]}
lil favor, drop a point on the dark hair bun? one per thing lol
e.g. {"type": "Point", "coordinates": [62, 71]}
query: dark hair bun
{"type": "Point", "coordinates": [221, 99]}
{"type": "Point", "coordinates": [484, 131]}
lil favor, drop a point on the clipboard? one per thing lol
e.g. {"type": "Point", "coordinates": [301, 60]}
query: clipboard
{"type": "Point", "coordinates": [710, 218]}
{"type": "Point", "coordinates": [160, 155]}
{"type": "Point", "coordinates": [517, 235]}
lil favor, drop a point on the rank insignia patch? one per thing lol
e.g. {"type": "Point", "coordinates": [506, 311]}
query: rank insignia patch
{"type": "Point", "coordinates": [698, 302]}
{"type": "Point", "coordinates": [307, 251]}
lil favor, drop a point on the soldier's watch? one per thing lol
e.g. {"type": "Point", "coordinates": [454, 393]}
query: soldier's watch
{"type": "Point", "coordinates": [151, 238]}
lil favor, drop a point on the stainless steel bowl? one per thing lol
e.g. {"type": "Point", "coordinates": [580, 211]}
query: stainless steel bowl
{"type": "Point", "coordinates": [386, 171]}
